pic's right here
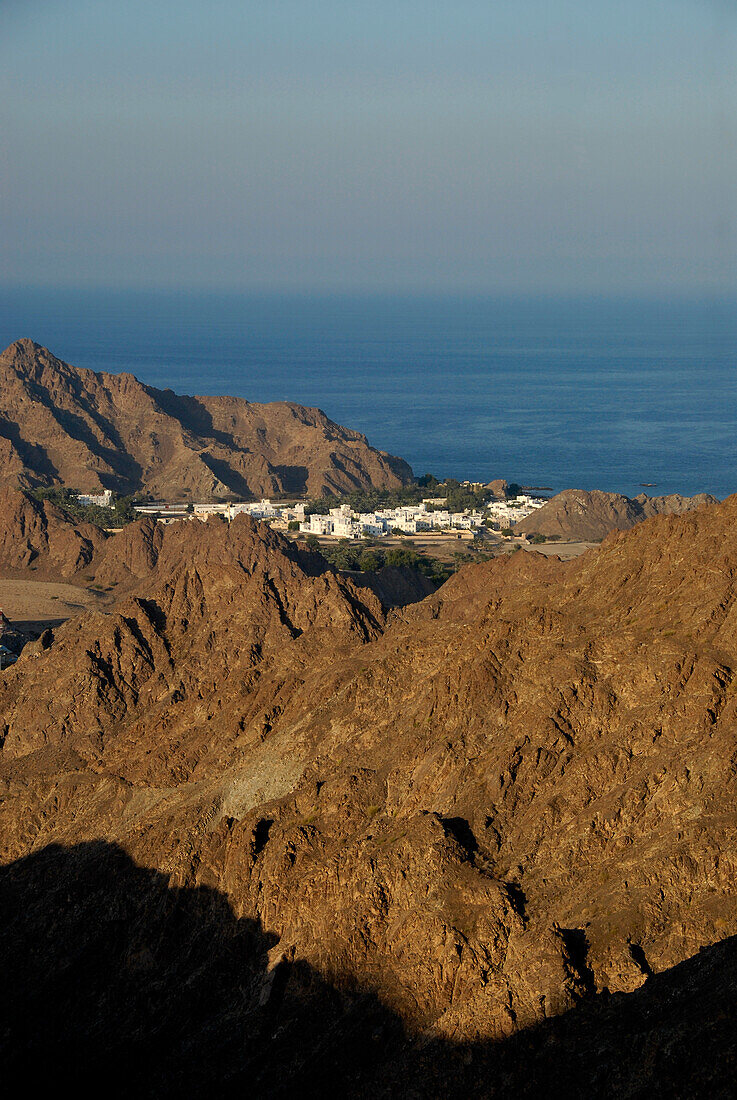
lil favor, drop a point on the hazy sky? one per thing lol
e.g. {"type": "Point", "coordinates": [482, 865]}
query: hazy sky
{"type": "Point", "coordinates": [479, 145]}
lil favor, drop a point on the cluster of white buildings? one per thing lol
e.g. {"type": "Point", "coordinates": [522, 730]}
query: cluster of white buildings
{"type": "Point", "coordinates": [505, 513]}
{"type": "Point", "coordinates": [262, 509]}
{"type": "Point", "coordinates": [342, 522]}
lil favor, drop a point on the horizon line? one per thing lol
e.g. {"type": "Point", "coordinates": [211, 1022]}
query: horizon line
{"type": "Point", "coordinates": [663, 295]}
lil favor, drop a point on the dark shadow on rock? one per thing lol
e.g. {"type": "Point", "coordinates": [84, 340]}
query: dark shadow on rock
{"type": "Point", "coordinates": [32, 629]}
{"type": "Point", "coordinates": [395, 585]}
{"type": "Point", "coordinates": [191, 414]}
{"type": "Point", "coordinates": [236, 483]}
{"type": "Point", "coordinates": [33, 455]}
{"type": "Point", "coordinates": [293, 478]}
{"type": "Point", "coordinates": [119, 984]}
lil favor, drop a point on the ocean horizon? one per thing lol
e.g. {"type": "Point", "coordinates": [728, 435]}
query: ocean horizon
{"type": "Point", "coordinates": [564, 393]}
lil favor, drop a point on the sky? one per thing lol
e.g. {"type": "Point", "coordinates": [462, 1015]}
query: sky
{"type": "Point", "coordinates": [483, 146]}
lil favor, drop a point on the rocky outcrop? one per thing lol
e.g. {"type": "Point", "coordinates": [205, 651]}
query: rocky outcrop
{"type": "Point", "coordinates": [672, 505]}
{"type": "Point", "coordinates": [129, 555]}
{"type": "Point", "coordinates": [91, 430]}
{"type": "Point", "coordinates": [499, 488]}
{"type": "Point", "coordinates": [190, 998]}
{"type": "Point", "coordinates": [417, 840]}
{"type": "Point", "coordinates": [577, 514]}
{"type": "Point", "coordinates": [38, 536]}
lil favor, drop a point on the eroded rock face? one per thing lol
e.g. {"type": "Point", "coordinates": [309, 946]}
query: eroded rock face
{"type": "Point", "coordinates": [582, 515]}
{"type": "Point", "coordinates": [113, 972]}
{"type": "Point", "coordinates": [92, 430]}
{"type": "Point", "coordinates": [38, 536]}
{"type": "Point", "coordinates": [475, 813]}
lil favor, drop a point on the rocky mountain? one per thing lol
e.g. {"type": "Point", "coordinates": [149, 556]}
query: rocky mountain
{"type": "Point", "coordinates": [91, 430]}
{"type": "Point", "coordinates": [499, 488]}
{"type": "Point", "coordinates": [40, 541]}
{"type": "Point", "coordinates": [39, 537]}
{"type": "Point", "coordinates": [672, 505]}
{"type": "Point", "coordinates": [258, 831]}
{"type": "Point", "coordinates": [578, 514]}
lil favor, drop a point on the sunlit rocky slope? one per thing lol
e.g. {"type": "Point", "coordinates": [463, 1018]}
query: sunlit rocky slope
{"type": "Point", "coordinates": [592, 515]}
{"type": "Point", "coordinates": [91, 430]}
{"type": "Point", "coordinates": [268, 833]}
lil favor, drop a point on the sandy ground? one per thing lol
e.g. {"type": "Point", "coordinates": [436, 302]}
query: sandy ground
{"type": "Point", "coordinates": [34, 605]}
{"type": "Point", "coordinates": [563, 550]}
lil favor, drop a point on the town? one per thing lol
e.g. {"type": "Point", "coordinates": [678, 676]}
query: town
{"type": "Point", "coordinates": [429, 515]}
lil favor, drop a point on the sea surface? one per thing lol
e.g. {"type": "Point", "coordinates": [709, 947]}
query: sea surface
{"type": "Point", "coordinates": [586, 393]}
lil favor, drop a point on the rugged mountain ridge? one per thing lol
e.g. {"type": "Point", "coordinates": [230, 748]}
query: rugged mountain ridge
{"type": "Point", "coordinates": [584, 515]}
{"type": "Point", "coordinates": [92, 430]}
{"type": "Point", "coordinates": [444, 826]}
{"type": "Point", "coordinates": [39, 541]}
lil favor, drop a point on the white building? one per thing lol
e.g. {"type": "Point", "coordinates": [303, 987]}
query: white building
{"type": "Point", "coordinates": [372, 529]}
{"type": "Point", "coordinates": [203, 511]}
{"type": "Point", "coordinates": [102, 500]}
{"type": "Point", "coordinates": [317, 525]}
{"type": "Point", "coordinates": [345, 528]}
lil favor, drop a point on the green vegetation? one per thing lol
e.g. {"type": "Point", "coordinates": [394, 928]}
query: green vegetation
{"type": "Point", "coordinates": [457, 497]}
{"type": "Point", "coordinates": [369, 500]}
{"type": "Point", "coordinates": [118, 514]}
{"type": "Point", "coordinates": [464, 557]}
{"type": "Point", "coordinates": [365, 557]}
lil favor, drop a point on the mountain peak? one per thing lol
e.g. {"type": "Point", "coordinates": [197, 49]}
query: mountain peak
{"type": "Point", "coordinates": [23, 348]}
{"type": "Point", "coordinates": [104, 430]}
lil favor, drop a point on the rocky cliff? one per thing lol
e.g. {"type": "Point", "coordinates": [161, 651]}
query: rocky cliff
{"type": "Point", "coordinates": [589, 516]}
{"type": "Point", "coordinates": [262, 831]}
{"type": "Point", "coordinates": [91, 430]}
{"type": "Point", "coordinates": [37, 538]}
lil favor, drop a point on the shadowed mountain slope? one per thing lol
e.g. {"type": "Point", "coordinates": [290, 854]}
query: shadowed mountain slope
{"type": "Point", "coordinates": [496, 806]}
{"type": "Point", "coordinates": [91, 430]}
{"type": "Point", "coordinates": [115, 974]}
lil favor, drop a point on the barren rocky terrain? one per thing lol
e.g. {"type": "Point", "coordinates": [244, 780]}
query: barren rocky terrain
{"type": "Point", "coordinates": [577, 514]}
{"type": "Point", "coordinates": [62, 425]}
{"type": "Point", "coordinates": [260, 831]}
{"type": "Point", "coordinates": [39, 540]}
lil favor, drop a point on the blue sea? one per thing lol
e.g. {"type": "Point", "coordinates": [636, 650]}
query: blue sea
{"type": "Point", "coordinates": [588, 394]}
